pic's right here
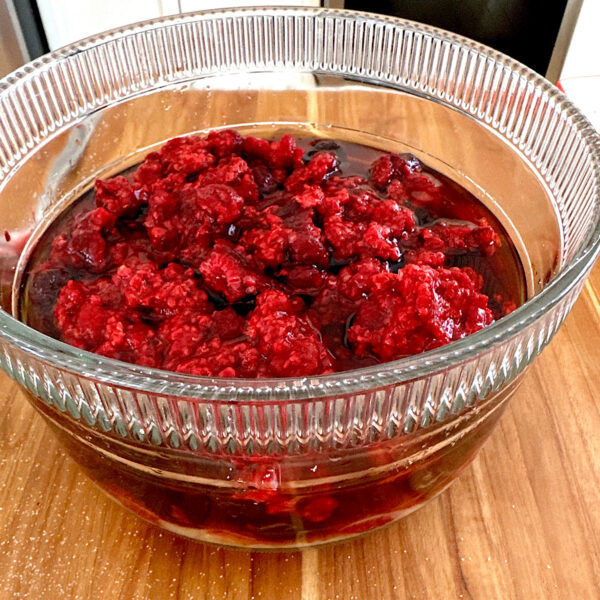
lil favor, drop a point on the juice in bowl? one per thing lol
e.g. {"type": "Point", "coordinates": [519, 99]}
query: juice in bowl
{"type": "Point", "coordinates": [279, 315]}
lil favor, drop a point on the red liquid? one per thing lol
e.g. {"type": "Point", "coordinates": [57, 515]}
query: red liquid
{"type": "Point", "coordinates": [278, 502]}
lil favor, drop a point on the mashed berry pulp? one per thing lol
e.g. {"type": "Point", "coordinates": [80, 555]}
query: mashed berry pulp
{"type": "Point", "coordinates": [237, 256]}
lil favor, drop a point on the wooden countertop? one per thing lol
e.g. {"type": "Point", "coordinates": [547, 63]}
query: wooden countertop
{"type": "Point", "coordinates": [522, 522]}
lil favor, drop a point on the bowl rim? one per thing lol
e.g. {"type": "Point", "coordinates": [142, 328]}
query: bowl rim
{"type": "Point", "coordinates": [233, 390]}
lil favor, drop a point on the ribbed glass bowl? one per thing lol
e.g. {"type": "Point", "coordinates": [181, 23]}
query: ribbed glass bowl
{"type": "Point", "coordinates": [292, 462]}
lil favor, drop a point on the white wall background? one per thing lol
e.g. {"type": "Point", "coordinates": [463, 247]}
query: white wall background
{"type": "Point", "coordinates": [67, 21]}
{"type": "Point", "coordinates": [580, 76]}
{"type": "Point", "coordinates": [583, 55]}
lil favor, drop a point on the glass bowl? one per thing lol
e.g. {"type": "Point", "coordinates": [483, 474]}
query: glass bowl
{"type": "Point", "coordinates": [277, 463]}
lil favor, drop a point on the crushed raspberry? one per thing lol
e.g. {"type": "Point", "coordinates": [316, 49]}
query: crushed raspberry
{"type": "Point", "coordinates": [86, 244]}
{"type": "Point", "coordinates": [356, 280]}
{"type": "Point", "coordinates": [88, 317]}
{"type": "Point", "coordinates": [281, 156]}
{"type": "Point", "coordinates": [229, 272]}
{"type": "Point", "coordinates": [117, 196]}
{"type": "Point", "coordinates": [160, 292]}
{"type": "Point", "coordinates": [269, 245]}
{"type": "Point", "coordinates": [287, 340]}
{"type": "Point", "coordinates": [319, 167]}
{"type": "Point", "coordinates": [235, 173]}
{"type": "Point", "coordinates": [458, 238]}
{"type": "Point", "coordinates": [419, 308]}
{"type": "Point", "coordinates": [393, 167]}
{"type": "Point", "coordinates": [236, 256]}
{"type": "Point", "coordinates": [311, 196]}
{"type": "Point", "coordinates": [225, 143]}
{"type": "Point", "coordinates": [317, 509]}
{"type": "Point", "coordinates": [220, 203]}
{"type": "Point", "coordinates": [303, 279]}
{"type": "Point", "coordinates": [187, 156]}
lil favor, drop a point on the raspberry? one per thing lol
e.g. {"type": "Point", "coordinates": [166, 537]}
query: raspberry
{"type": "Point", "coordinates": [227, 271]}
{"type": "Point", "coordinates": [224, 143]}
{"type": "Point", "coordinates": [164, 292]}
{"type": "Point", "coordinates": [393, 167]}
{"type": "Point", "coordinates": [320, 166]}
{"type": "Point", "coordinates": [282, 155]}
{"type": "Point", "coordinates": [311, 196]}
{"type": "Point", "coordinates": [235, 173]}
{"type": "Point", "coordinates": [186, 155]}
{"type": "Point", "coordinates": [458, 237]}
{"type": "Point", "coordinates": [85, 245]}
{"type": "Point", "coordinates": [233, 257]}
{"type": "Point", "coordinates": [288, 341]}
{"type": "Point", "coordinates": [117, 196]}
{"type": "Point", "coordinates": [220, 202]}
{"type": "Point", "coordinates": [418, 308]}
{"type": "Point", "coordinates": [343, 236]}
{"type": "Point", "coordinates": [268, 246]}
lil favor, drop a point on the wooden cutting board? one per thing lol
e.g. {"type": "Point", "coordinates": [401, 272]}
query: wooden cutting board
{"type": "Point", "coordinates": [523, 521]}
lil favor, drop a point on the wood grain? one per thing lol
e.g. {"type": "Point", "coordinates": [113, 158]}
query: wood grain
{"type": "Point", "coordinates": [523, 522]}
